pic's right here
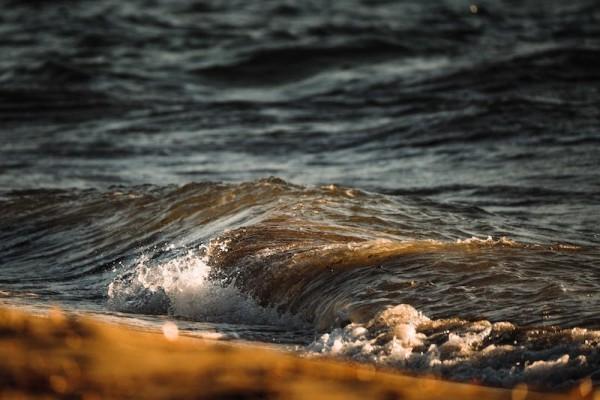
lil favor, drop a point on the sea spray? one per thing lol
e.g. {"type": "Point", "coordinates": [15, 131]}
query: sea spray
{"type": "Point", "coordinates": [181, 287]}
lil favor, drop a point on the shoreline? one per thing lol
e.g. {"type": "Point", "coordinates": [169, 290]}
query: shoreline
{"type": "Point", "coordinates": [64, 356]}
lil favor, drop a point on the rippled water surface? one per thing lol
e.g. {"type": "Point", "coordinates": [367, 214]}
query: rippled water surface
{"type": "Point", "coordinates": [414, 184]}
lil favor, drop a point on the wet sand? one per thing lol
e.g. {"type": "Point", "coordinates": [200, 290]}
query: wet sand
{"type": "Point", "coordinates": [62, 356]}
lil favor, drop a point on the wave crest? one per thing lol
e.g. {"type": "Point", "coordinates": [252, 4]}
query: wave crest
{"type": "Point", "coordinates": [182, 287]}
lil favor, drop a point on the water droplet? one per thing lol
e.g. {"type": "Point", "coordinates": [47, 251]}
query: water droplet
{"type": "Point", "coordinates": [170, 331]}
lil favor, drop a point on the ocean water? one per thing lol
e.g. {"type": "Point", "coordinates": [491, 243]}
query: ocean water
{"type": "Point", "coordinates": [412, 184]}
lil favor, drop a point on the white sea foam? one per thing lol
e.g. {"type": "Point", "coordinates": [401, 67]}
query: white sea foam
{"type": "Point", "coordinates": [490, 241]}
{"type": "Point", "coordinates": [494, 353]}
{"type": "Point", "coordinates": [182, 287]}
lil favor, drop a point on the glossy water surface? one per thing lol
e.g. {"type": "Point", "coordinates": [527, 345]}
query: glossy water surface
{"type": "Point", "coordinates": [410, 183]}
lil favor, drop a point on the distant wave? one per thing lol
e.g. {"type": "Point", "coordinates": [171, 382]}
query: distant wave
{"type": "Point", "coordinates": [280, 65]}
{"type": "Point", "coordinates": [503, 74]}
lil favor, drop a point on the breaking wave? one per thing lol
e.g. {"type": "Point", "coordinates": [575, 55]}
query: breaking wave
{"type": "Point", "coordinates": [398, 281]}
{"type": "Point", "coordinates": [182, 288]}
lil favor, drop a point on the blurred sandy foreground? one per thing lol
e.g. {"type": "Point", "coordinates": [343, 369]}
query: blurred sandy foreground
{"type": "Point", "coordinates": [61, 356]}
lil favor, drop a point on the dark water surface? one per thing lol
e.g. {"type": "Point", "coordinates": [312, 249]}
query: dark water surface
{"type": "Point", "coordinates": [436, 206]}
